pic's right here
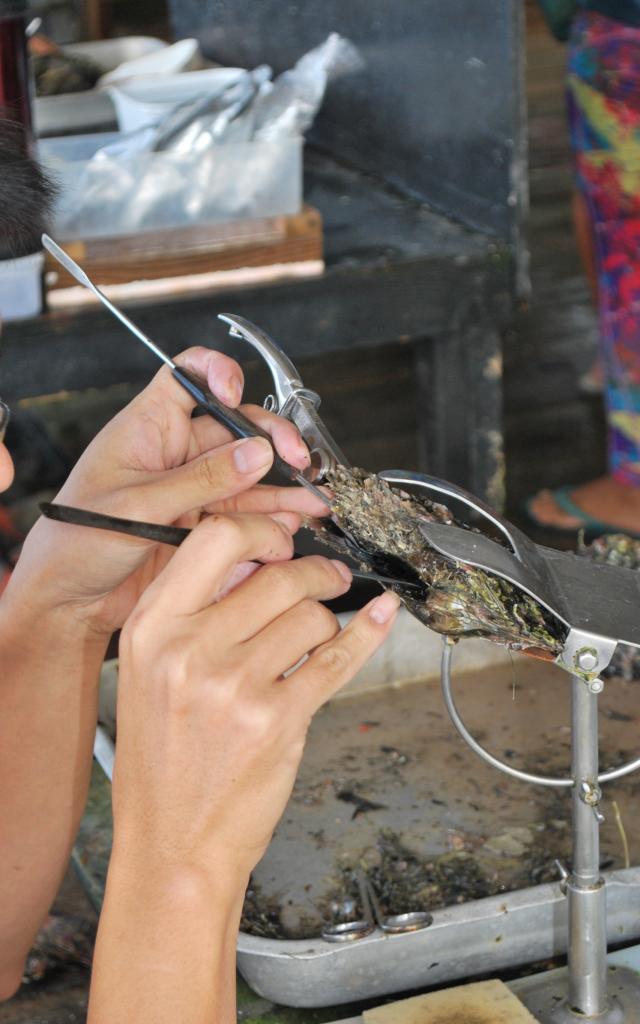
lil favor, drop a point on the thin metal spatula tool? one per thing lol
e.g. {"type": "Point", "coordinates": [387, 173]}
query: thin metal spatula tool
{"type": "Point", "coordinates": [238, 424]}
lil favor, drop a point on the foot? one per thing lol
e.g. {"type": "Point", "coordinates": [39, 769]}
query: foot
{"type": "Point", "coordinates": [604, 499]}
{"type": "Point", "coordinates": [592, 382]}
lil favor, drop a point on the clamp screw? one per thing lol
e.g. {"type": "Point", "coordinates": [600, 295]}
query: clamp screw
{"type": "Point", "coordinates": [587, 659]}
{"type": "Point", "coordinates": [590, 793]}
{"type": "Point", "coordinates": [596, 686]}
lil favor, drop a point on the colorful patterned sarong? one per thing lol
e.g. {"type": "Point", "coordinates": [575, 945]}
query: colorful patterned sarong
{"type": "Point", "coordinates": [603, 85]}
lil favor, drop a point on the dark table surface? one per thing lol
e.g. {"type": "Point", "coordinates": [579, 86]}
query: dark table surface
{"type": "Point", "coordinates": [393, 271]}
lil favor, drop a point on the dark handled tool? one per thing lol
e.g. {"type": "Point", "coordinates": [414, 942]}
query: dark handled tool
{"type": "Point", "coordinates": [156, 532]}
{"type": "Point", "coordinates": [239, 425]}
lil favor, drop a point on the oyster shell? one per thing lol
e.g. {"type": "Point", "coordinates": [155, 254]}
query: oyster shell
{"type": "Point", "coordinates": [382, 526]}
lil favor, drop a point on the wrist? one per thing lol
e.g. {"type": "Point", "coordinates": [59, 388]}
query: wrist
{"type": "Point", "coordinates": [31, 609]}
{"type": "Point", "coordinates": [160, 883]}
{"type": "Point", "coordinates": [36, 597]}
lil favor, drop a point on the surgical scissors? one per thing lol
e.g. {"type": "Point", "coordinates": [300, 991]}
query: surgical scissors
{"type": "Point", "coordinates": [392, 924]}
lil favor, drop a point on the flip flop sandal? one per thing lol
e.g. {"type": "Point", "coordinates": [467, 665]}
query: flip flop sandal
{"type": "Point", "coordinates": [591, 526]}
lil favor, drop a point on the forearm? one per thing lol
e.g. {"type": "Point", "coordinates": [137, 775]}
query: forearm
{"type": "Point", "coordinates": [166, 947]}
{"type": "Point", "coordinates": [49, 667]}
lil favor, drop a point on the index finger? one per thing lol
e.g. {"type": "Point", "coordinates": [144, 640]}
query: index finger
{"type": "Point", "coordinates": [225, 380]}
{"type": "Point", "coordinates": [335, 663]}
{"type": "Point", "coordinates": [223, 375]}
{"type": "Point", "coordinates": [285, 436]}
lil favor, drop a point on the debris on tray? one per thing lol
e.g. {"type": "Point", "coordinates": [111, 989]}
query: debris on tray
{"type": "Point", "coordinates": [360, 803]}
{"type": "Point", "coordinates": [276, 919]}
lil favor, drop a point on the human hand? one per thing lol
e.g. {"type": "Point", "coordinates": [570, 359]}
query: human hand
{"type": "Point", "coordinates": [153, 462]}
{"type": "Point", "coordinates": [209, 732]}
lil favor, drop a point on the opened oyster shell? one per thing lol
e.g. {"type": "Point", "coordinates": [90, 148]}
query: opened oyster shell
{"type": "Point", "coordinates": [383, 532]}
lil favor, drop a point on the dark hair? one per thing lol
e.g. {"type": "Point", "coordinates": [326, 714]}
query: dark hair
{"type": "Point", "coordinates": [26, 195]}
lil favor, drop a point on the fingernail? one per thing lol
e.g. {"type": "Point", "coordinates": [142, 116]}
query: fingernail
{"type": "Point", "coordinates": [343, 569]}
{"type": "Point", "coordinates": [384, 607]}
{"type": "Point", "coordinates": [251, 454]}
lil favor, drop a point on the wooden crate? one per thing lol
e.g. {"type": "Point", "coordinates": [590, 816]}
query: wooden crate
{"type": "Point", "coordinates": [202, 249]}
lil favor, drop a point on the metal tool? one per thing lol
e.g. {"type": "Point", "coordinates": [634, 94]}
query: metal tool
{"type": "Point", "coordinates": [393, 924]}
{"type": "Point", "coordinates": [156, 532]}
{"type": "Point", "coordinates": [351, 931]}
{"type": "Point", "coordinates": [238, 424]}
{"type": "Point", "coordinates": [291, 398]}
{"type": "Point", "coordinates": [297, 403]}
{"type": "Point", "coordinates": [314, 433]}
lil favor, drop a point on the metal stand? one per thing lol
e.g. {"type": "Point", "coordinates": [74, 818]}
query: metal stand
{"type": "Point", "coordinates": [590, 992]}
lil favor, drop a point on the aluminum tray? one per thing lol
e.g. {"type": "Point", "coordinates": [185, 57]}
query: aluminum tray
{"type": "Point", "coordinates": [483, 936]}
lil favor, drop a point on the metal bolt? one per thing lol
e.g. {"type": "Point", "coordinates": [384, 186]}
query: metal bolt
{"type": "Point", "coordinates": [590, 793]}
{"type": "Point", "coordinates": [587, 659]}
{"type": "Point", "coordinates": [596, 686]}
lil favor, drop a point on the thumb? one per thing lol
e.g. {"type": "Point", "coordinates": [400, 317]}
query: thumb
{"type": "Point", "coordinates": [213, 476]}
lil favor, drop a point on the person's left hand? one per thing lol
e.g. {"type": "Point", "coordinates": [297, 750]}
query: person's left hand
{"type": "Point", "coordinates": [154, 462]}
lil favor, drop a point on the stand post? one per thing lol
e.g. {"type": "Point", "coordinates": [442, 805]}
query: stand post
{"type": "Point", "coordinates": [585, 887]}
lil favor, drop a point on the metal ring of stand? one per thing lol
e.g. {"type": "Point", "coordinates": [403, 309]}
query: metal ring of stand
{"type": "Point", "coordinates": [588, 989]}
{"type": "Point", "coordinates": [516, 773]}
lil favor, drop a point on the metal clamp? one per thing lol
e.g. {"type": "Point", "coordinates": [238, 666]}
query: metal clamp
{"type": "Point", "coordinates": [291, 398]}
{"type": "Point", "coordinates": [597, 605]}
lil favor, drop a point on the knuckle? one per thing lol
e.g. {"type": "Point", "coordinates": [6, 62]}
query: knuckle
{"type": "Point", "coordinates": [192, 352]}
{"type": "Point", "coordinates": [224, 530]}
{"type": "Point", "coordinates": [254, 412]}
{"type": "Point", "coordinates": [334, 662]}
{"type": "Point", "coordinates": [285, 580]}
{"type": "Point", "coordinates": [139, 628]}
{"type": "Point", "coordinates": [253, 719]}
{"type": "Point", "coordinates": [210, 472]}
{"type": "Point", "coordinates": [318, 618]}
{"type": "Point", "coordinates": [325, 568]}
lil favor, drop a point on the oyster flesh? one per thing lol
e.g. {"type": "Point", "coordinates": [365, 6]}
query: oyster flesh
{"type": "Point", "coordinates": [382, 523]}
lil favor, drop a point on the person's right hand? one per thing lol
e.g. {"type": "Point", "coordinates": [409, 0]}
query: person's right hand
{"type": "Point", "coordinates": [153, 462]}
{"type": "Point", "coordinates": [209, 731]}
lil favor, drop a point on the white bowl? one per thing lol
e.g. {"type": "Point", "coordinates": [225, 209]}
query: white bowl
{"type": "Point", "coordinates": [169, 60]}
{"type": "Point", "coordinates": [144, 101]}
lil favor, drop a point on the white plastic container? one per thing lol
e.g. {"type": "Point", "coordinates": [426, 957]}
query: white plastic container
{"type": "Point", "coordinates": [155, 191]}
{"type": "Point", "coordinates": [21, 287]}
